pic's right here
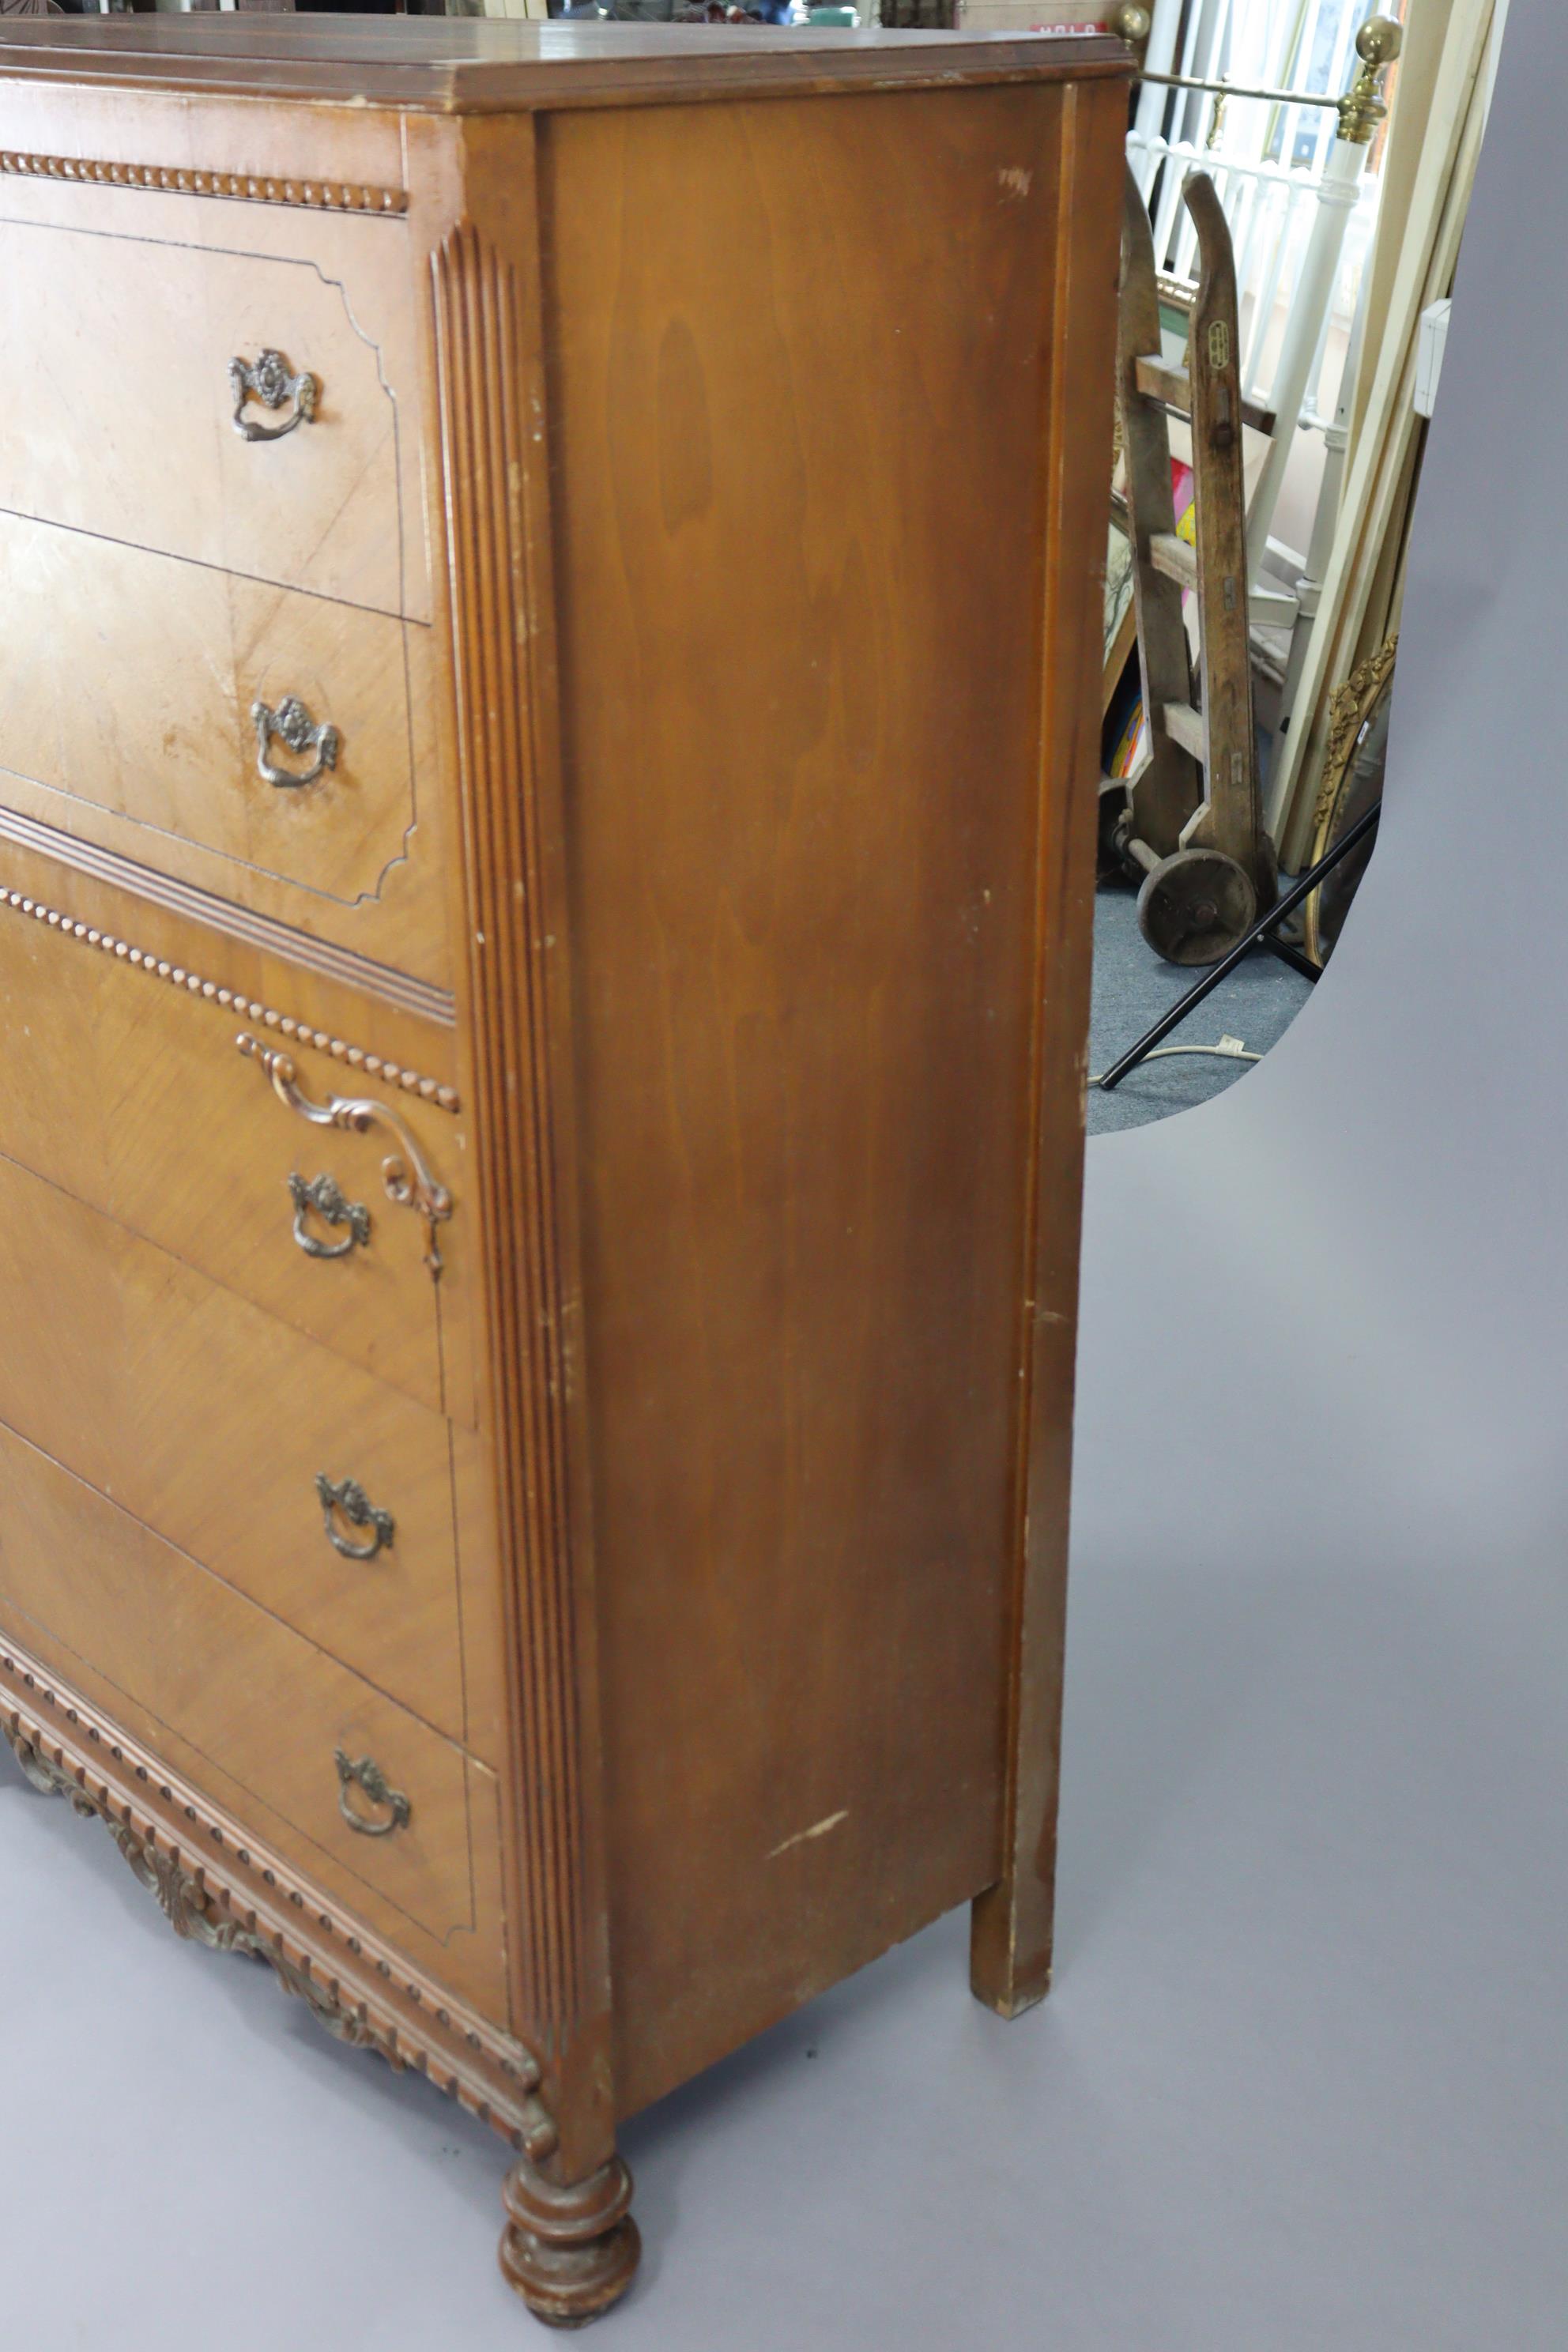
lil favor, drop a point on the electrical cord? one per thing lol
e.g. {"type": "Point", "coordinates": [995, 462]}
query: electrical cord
{"type": "Point", "coordinates": [1228, 1049]}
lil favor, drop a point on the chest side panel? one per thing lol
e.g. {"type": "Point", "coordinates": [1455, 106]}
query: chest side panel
{"type": "Point", "coordinates": [800, 549]}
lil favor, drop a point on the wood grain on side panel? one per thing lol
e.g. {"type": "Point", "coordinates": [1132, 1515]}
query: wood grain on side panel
{"type": "Point", "coordinates": [1012, 1925]}
{"type": "Point", "coordinates": [798, 482]}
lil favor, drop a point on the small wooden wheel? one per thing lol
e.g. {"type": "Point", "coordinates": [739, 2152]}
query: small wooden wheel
{"type": "Point", "coordinates": [1195, 906]}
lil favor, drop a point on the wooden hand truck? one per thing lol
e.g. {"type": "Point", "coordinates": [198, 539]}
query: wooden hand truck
{"type": "Point", "coordinates": [1207, 863]}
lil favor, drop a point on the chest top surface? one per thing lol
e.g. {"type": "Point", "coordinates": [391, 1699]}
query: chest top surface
{"type": "Point", "coordinates": [460, 64]}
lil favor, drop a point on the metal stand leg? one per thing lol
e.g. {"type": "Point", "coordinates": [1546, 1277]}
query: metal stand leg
{"type": "Point", "coordinates": [1256, 936]}
{"type": "Point", "coordinates": [1294, 957]}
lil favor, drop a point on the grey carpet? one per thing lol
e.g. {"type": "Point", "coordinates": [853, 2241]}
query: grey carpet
{"type": "Point", "coordinates": [1133, 987]}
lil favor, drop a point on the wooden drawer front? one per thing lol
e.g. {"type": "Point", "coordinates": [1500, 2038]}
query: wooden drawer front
{"type": "Point", "coordinates": [127, 682]}
{"type": "Point", "coordinates": [251, 1710]}
{"type": "Point", "coordinates": [114, 386]}
{"type": "Point", "coordinates": [212, 1422]}
{"type": "Point", "coordinates": [130, 1093]}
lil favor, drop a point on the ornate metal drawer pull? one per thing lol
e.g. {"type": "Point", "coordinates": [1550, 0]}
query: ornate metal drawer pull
{"type": "Point", "coordinates": [293, 725]}
{"type": "Point", "coordinates": [407, 1180]}
{"type": "Point", "coordinates": [324, 1194]}
{"type": "Point", "coordinates": [270, 380]}
{"type": "Point", "coordinates": [368, 1773]}
{"type": "Point", "coordinates": [347, 1496]}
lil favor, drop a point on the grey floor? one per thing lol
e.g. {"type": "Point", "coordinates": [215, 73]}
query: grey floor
{"type": "Point", "coordinates": [1133, 987]}
{"type": "Point", "coordinates": [1303, 2081]}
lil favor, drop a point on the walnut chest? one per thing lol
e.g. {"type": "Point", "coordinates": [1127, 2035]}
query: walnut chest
{"type": "Point", "coordinates": [549, 625]}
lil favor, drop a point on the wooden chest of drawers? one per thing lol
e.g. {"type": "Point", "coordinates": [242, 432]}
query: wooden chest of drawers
{"type": "Point", "coordinates": [548, 638]}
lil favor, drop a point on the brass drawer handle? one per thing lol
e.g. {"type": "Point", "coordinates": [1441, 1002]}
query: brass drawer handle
{"type": "Point", "coordinates": [324, 1194]}
{"type": "Point", "coordinates": [293, 724]}
{"type": "Point", "coordinates": [407, 1180]}
{"type": "Point", "coordinates": [369, 1777]}
{"type": "Point", "coordinates": [270, 380]}
{"type": "Point", "coordinates": [347, 1496]}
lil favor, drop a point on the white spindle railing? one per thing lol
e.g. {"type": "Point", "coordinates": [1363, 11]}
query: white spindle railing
{"type": "Point", "coordinates": [1270, 200]}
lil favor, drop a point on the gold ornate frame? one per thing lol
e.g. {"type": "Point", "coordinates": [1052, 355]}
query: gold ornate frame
{"type": "Point", "coordinates": [1350, 708]}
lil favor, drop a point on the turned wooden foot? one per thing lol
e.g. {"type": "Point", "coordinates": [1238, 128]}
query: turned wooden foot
{"type": "Point", "coordinates": [569, 2251]}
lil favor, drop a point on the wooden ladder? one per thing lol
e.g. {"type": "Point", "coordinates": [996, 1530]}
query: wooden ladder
{"type": "Point", "coordinates": [1191, 827]}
